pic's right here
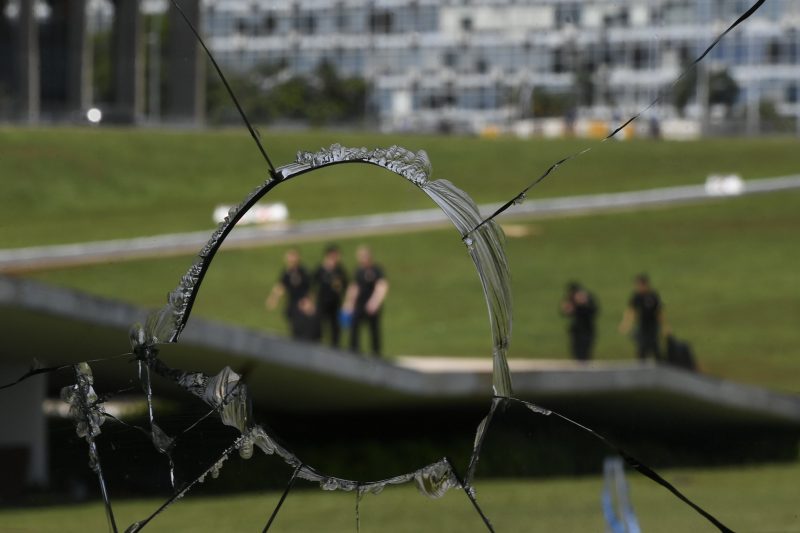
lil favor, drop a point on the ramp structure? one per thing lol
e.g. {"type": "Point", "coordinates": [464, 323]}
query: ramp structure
{"type": "Point", "coordinates": [82, 326]}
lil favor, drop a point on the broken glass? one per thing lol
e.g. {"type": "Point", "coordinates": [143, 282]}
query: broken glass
{"type": "Point", "coordinates": [227, 396]}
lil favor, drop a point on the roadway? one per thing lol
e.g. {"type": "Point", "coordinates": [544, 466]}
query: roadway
{"type": "Point", "coordinates": [42, 257]}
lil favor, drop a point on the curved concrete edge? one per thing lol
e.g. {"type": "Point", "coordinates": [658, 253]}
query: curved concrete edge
{"type": "Point", "coordinates": [650, 377]}
{"type": "Point", "coordinates": [49, 299]}
{"type": "Point", "coordinates": [219, 337]}
{"type": "Point", "coordinates": [467, 382]}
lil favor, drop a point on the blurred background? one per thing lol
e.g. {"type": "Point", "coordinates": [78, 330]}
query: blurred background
{"type": "Point", "coordinates": [120, 150]}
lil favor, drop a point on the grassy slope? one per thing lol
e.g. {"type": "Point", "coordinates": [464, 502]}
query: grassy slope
{"type": "Point", "coordinates": [754, 499]}
{"type": "Point", "coordinates": [727, 272]}
{"type": "Point", "coordinates": [64, 185]}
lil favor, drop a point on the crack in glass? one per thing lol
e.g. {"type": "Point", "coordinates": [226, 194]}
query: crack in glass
{"type": "Point", "coordinates": [228, 397]}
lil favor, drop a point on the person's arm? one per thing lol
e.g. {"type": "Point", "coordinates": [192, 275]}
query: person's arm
{"type": "Point", "coordinates": [567, 309]}
{"type": "Point", "coordinates": [275, 296]}
{"type": "Point", "coordinates": [627, 320]}
{"type": "Point", "coordinates": [350, 298]}
{"type": "Point", "coordinates": [378, 296]}
{"type": "Point", "coordinates": [594, 307]}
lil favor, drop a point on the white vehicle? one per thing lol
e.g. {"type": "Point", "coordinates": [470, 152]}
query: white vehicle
{"type": "Point", "coordinates": [258, 214]}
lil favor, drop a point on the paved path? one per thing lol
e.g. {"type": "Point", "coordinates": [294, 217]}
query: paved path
{"type": "Point", "coordinates": [40, 257]}
{"type": "Point", "coordinates": [430, 364]}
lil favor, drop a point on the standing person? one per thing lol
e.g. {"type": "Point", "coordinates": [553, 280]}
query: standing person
{"type": "Point", "coordinates": [306, 323]}
{"type": "Point", "coordinates": [364, 299]}
{"type": "Point", "coordinates": [581, 308]}
{"type": "Point", "coordinates": [646, 309]}
{"type": "Point", "coordinates": [330, 281]}
{"type": "Point", "coordinates": [294, 283]}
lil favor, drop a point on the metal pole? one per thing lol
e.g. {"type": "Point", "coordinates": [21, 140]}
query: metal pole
{"type": "Point", "coordinates": [703, 75]}
{"type": "Point", "coordinates": [703, 97]}
{"type": "Point", "coordinates": [128, 61]}
{"type": "Point", "coordinates": [28, 84]}
{"type": "Point", "coordinates": [531, 103]}
{"type": "Point", "coordinates": [753, 118]}
{"type": "Point", "coordinates": [797, 65]}
{"type": "Point", "coordinates": [79, 58]}
{"type": "Point", "coordinates": [154, 71]}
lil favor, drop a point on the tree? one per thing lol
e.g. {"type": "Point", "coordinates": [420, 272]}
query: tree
{"type": "Point", "coordinates": [338, 99]}
{"type": "Point", "coordinates": [722, 88]}
{"type": "Point", "coordinates": [551, 104]}
{"type": "Point", "coordinates": [584, 84]}
{"type": "Point", "coordinates": [684, 90]}
{"type": "Point", "coordinates": [323, 97]}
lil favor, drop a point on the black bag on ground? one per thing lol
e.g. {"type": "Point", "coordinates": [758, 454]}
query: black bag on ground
{"type": "Point", "coordinates": [680, 354]}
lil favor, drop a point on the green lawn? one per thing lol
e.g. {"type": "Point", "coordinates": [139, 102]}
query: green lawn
{"type": "Point", "coordinates": [759, 499]}
{"type": "Point", "coordinates": [727, 271]}
{"type": "Point", "coordinates": [64, 185]}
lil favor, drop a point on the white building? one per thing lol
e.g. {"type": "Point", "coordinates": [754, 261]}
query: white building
{"type": "Point", "coordinates": [475, 62]}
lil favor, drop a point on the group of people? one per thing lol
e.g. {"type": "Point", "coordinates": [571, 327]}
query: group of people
{"type": "Point", "coordinates": [327, 300]}
{"type": "Point", "coordinates": [644, 311]}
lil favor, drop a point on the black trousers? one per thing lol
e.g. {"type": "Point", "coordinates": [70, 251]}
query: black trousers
{"type": "Point", "coordinates": [293, 316]}
{"type": "Point", "coordinates": [647, 343]}
{"type": "Point", "coordinates": [305, 327]}
{"type": "Point", "coordinates": [373, 322]}
{"type": "Point", "coordinates": [581, 344]}
{"type": "Point", "coordinates": [329, 318]}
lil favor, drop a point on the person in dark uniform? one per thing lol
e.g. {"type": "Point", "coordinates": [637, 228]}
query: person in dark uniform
{"type": "Point", "coordinates": [330, 282]}
{"type": "Point", "coordinates": [306, 323]}
{"type": "Point", "coordinates": [364, 299]}
{"type": "Point", "coordinates": [295, 284]}
{"type": "Point", "coordinates": [646, 309]}
{"type": "Point", "coordinates": [580, 307]}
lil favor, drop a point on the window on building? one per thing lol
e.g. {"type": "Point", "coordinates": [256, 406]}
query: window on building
{"type": "Point", "coordinates": [740, 51]}
{"type": "Point", "coordinates": [657, 15]}
{"type": "Point", "coordinates": [617, 19]}
{"type": "Point", "coordinates": [774, 50]}
{"type": "Point", "coordinates": [449, 96]}
{"type": "Point", "coordinates": [427, 18]}
{"type": "Point", "coordinates": [640, 58]}
{"type": "Point", "coordinates": [793, 94]}
{"type": "Point", "coordinates": [403, 19]}
{"type": "Point", "coordinates": [340, 18]}
{"type": "Point", "coordinates": [678, 12]}
{"type": "Point", "coordinates": [684, 54]}
{"type": "Point", "coordinates": [568, 14]}
{"type": "Point", "coordinates": [450, 59]}
{"type": "Point", "coordinates": [381, 21]}
{"type": "Point", "coordinates": [306, 24]}
{"type": "Point", "coordinates": [268, 24]}
{"type": "Point", "coordinates": [560, 60]}
{"type": "Point", "coordinates": [623, 17]}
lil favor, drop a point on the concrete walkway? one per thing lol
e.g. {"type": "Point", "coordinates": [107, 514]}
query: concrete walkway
{"type": "Point", "coordinates": [41, 257]}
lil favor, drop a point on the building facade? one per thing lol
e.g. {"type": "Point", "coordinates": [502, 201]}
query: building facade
{"type": "Point", "coordinates": [463, 64]}
{"type": "Point", "coordinates": [48, 56]}
{"type": "Point", "coordinates": [478, 62]}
